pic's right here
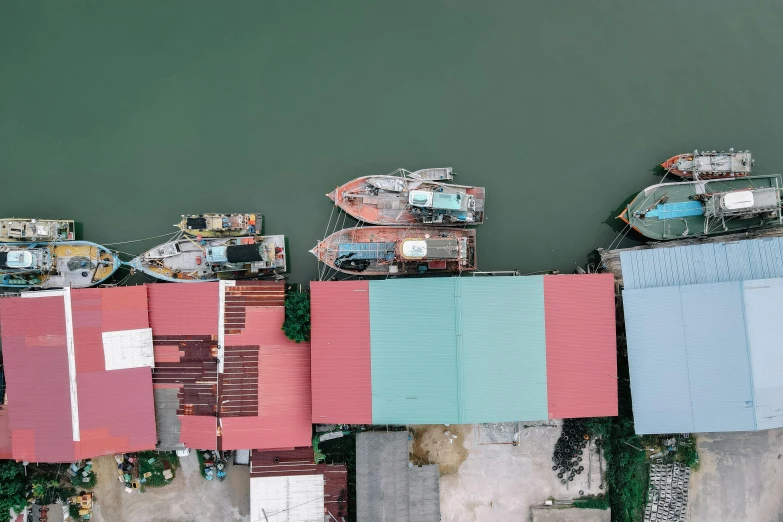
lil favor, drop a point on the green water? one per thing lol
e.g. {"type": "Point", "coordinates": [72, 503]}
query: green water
{"type": "Point", "coordinates": [124, 115]}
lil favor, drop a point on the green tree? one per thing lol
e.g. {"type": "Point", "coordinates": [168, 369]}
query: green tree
{"type": "Point", "coordinates": [297, 316]}
{"type": "Point", "coordinates": [13, 485]}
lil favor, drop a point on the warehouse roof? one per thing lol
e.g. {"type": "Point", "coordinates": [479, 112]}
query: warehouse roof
{"type": "Point", "coordinates": [223, 352]}
{"type": "Point", "coordinates": [387, 488]}
{"type": "Point", "coordinates": [700, 264]}
{"type": "Point", "coordinates": [463, 350]}
{"type": "Point", "coordinates": [705, 358]}
{"type": "Point", "coordinates": [78, 369]}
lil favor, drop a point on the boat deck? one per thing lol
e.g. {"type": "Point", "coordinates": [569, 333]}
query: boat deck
{"type": "Point", "coordinates": [100, 264]}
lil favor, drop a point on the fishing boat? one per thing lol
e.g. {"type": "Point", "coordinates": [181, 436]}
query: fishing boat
{"type": "Point", "coordinates": [21, 230]}
{"type": "Point", "coordinates": [220, 225]}
{"type": "Point", "coordinates": [710, 165]}
{"type": "Point", "coordinates": [74, 264]}
{"type": "Point", "coordinates": [398, 250]}
{"type": "Point", "coordinates": [706, 207]}
{"type": "Point", "coordinates": [402, 197]}
{"type": "Point", "coordinates": [189, 260]}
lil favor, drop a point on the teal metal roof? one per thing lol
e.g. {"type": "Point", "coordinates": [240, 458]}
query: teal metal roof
{"type": "Point", "coordinates": [503, 349]}
{"type": "Point", "coordinates": [458, 350]}
{"type": "Point", "coordinates": [413, 340]}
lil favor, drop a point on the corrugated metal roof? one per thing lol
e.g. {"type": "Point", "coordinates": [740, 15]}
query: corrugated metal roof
{"type": "Point", "coordinates": [5, 434]}
{"type": "Point", "coordinates": [36, 370]}
{"type": "Point", "coordinates": [701, 264]}
{"type": "Point", "coordinates": [183, 309]}
{"type": "Point", "coordinates": [198, 432]}
{"type": "Point", "coordinates": [581, 355]}
{"type": "Point", "coordinates": [387, 488]}
{"type": "Point", "coordinates": [341, 370]}
{"type": "Point", "coordinates": [287, 499]}
{"type": "Point", "coordinates": [452, 350]}
{"type": "Point", "coordinates": [657, 361]}
{"type": "Point", "coordinates": [413, 340]}
{"type": "Point", "coordinates": [38, 363]}
{"type": "Point", "coordinates": [688, 356]}
{"type": "Point", "coordinates": [763, 310]}
{"type": "Point", "coordinates": [502, 354]}
{"type": "Point", "coordinates": [382, 487]}
{"type": "Point", "coordinates": [284, 396]}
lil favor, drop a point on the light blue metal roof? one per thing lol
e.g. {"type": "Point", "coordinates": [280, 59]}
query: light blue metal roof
{"type": "Point", "coordinates": [657, 361]}
{"type": "Point", "coordinates": [702, 264]}
{"type": "Point", "coordinates": [503, 349]}
{"type": "Point", "coordinates": [689, 360]}
{"type": "Point", "coordinates": [763, 312]}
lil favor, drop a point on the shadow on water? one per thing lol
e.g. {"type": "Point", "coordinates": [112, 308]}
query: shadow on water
{"type": "Point", "coordinates": [78, 230]}
{"type": "Point", "coordinates": [658, 170]}
{"type": "Point", "coordinates": [613, 221]}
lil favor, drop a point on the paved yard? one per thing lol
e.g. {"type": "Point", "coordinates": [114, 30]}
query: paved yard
{"type": "Point", "coordinates": [188, 498]}
{"type": "Point", "coordinates": [740, 478]}
{"type": "Point", "coordinates": [500, 482]}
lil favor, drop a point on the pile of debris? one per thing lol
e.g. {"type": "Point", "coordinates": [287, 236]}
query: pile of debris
{"type": "Point", "coordinates": [81, 506]}
{"type": "Point", "coordinates": [81, 474]}
{"type": "Point", "coordinates": [127, 472]}
{"type": "Point", "coordinates": [667, 498]}
{"type": "Point", "coordinates": [213, 465]}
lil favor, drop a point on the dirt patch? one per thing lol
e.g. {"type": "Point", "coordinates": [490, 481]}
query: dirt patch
{"type": "Point", "coordinates": [437, 444]}
{"type": "Point", "coordinates": [108, 490]}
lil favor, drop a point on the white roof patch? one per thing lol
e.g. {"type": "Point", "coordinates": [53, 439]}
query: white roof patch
{"type": "Point", "coordinates": [128, 349]}
{"type": "Point", "coordinates": [287, 499]}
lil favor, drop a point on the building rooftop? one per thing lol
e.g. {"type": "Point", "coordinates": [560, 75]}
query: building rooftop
{"type": "Point", "coordinates": [78, 368]}
{"type": "Point", "coordinates": [387, 488]}
{"type": "Point", "coordinates": [226, 376]}
{"type": "Point", "coordinates": [463, 350]}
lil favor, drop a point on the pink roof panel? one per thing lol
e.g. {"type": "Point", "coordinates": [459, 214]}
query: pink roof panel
{"type": "Point", "coordinates": [183, 309]}
{"type": "Point", "coordinates": [5, 434]}
{"type": "Point", "coordinates": [36, 370]}
{"type": "Point", "coordinates": [198, 432]}
{"type": "Point", "coordinates": [341, 370]}
{"type": "Point", "coordinates": [284, 399]}
{"type": "Point", "coordinates": [581, 350]}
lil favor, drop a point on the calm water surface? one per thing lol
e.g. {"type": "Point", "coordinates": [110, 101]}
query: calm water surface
{"type": "Point", "coordinates": [125, 115]}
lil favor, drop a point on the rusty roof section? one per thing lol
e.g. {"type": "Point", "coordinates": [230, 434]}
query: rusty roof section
{"type": "Point", "coordinates": [300, 461]}
{"type": "Point", "coordinates": [287, 462]}
{"type": "Point", "coordinates": [5, 434]}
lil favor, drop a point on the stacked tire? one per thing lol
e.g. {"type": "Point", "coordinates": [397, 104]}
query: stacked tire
{"type": "Point", "coordinates": [567, 458]}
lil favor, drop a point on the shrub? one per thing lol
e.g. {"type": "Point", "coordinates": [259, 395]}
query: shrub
{"type": "Point", "coordinates": [76, 480]}
{"type": "Point", "coordinates": [297, 316]}
{"type": "Point", "coordinates": [13, 484]}
{"type": "Point", "coordinates": [591, 503]}
{"type": "Point", "coordinates": [162, 458]}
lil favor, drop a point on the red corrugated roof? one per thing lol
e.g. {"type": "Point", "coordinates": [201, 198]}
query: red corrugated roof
{"type": "Point", "coordinates": [283, 386]}
{"type": "Point", "coordinates": [341, 372]}
{"type": "Point", "coordinates": [580, 345]}
{"type": "Point", "coordinates": [198, 432]}
{"type": "Point", "coordinates": [36, 370]}
{"type": "Point", "coordinates": [176, 309]}
{"type": "Point", "coordinates": [116, 409]}
{"type": "Point", "coordinates": [5, 434]}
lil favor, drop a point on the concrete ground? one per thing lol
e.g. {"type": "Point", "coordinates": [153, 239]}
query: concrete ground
{"type": "Point", "coordinates": [501, 482]}
{"type": "Point", "coordinates": [188, 498]}
{"type": "Point", "coordinates": [740, 478]}
{"type": "Point", "coordinates": [571, 515]}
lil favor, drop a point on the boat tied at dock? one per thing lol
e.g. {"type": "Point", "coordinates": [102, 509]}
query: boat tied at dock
{"type": "Point", "coordinates": [74, 264]}
{"type": "Point", "coordinates": [710, 164]}
{"type": "Point", "coordinates": [706, 207]}
{"type": "Point", "coordinates": [398, 250]}
{"type": "Point", "coordinates": [221, 225]}
{"type": "Point", "coordinates": [184, 259]}
{"type": "Point", "coordinates": [21, 230]}
{"type": "Point", "coordinates": [422, 197]}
